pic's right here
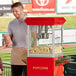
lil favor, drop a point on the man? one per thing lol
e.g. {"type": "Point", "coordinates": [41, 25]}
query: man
{"type": "Point", "coordinates": [17, 31]}
{"type": "Point", "coordinates": [17, 36]}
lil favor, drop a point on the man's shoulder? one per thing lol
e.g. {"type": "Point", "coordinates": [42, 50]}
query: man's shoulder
{"type": "Point", "coordinates": [12, 23]}
{"type": "Point", "coordinates": [14, 20]}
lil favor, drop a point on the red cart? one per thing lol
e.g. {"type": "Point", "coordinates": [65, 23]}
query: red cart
{"type": "Point", "coordinates": [45, 55]}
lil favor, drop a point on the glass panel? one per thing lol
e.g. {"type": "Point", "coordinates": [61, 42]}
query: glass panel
{"type": "Point", "coordinates": [41, 45]}
{"type": "Point", "coordinates": [45, 41]}
{"type": "Point", "coordinates": [58, 43]}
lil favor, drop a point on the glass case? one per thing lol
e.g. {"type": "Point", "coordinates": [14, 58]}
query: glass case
{"type": "Point", "coordinates": [45, 44]}
{"type": "Point", "coordinates": [46, 40]}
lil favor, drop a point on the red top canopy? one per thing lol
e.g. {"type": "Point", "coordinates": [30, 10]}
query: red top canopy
{"type": "Point", "coordinates": [45, 21]}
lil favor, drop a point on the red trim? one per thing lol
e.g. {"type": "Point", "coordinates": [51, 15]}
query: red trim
{"type": "Point", "coordinates": [45, 20]}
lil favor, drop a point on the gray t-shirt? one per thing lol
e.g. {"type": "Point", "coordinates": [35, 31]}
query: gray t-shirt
{"type": "Point", "coordinates": [19, 33]}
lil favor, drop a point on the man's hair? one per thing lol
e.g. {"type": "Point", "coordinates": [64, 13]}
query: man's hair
{"type": "Point", "coordinates": [17, 4]}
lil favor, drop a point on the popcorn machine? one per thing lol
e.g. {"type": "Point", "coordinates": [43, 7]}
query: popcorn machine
{"type": "Point", "coordinates": [45, 46]}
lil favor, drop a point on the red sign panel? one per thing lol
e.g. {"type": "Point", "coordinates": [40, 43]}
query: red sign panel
{"type": "Point", "coordinates": [44, 6]}
{"type": "Point", "coordinates": [42, 66]}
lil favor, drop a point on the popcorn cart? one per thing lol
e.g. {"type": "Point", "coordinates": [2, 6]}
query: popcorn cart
{"type": "Point", "coordinates": [45, 55]}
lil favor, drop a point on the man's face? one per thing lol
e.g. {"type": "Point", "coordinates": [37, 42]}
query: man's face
{"type": "Point", "coordinates": [17, 11]}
